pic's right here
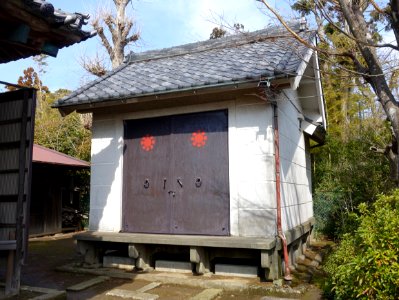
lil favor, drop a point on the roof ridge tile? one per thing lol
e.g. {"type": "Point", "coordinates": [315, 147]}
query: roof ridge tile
{"type": "Point", "coordinates": [210, 44]}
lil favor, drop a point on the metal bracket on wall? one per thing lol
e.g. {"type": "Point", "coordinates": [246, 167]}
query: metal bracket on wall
{"type": "Point", "coordinates": [147, 183]}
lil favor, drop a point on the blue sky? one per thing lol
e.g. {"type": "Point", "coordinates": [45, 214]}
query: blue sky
{"type": "Point", "coordinates": [162, 23]}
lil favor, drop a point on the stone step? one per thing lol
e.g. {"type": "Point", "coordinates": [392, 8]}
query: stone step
{"type": "Point", "coordinates": [173, 266]}
{"type": "Point", "coordinates": [303, 269]}
{"type": "Point", "coordinates": [303, 276]}
{"type": "Point", "coordinates": [276, 298]}
{"type": "Point", "coordinates": [313, 256]}
{"type": "Point", "coordinates": [126, 294]}
{"type": "Point", "coordinates": [119, 262]}
{"type": "Point", "coordinates": [207, 294]}
{"type": "Point", "coordinates": [148, 287]}
{"type": "Point", "coordinates": [308, 263]}
{"type": "Point", "coordinates": [86, 284]}
{"type": "Point", "coordinates": [236, 270]}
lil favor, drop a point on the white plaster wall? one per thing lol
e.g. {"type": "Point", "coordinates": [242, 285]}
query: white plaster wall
{"type": "Point", "coordinates": [106, 175]}
{"type": "Point", "coordinates": [251, 166]}
{"type": "Point", "coordinates": [297, 205]}
{"type": "Point", "coordinates": [253, 160]}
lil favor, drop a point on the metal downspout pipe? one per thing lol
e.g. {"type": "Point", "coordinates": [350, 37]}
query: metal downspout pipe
{"type": "Point", "coordinates": [280, 233]}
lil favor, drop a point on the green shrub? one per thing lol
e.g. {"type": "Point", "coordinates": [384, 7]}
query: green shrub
{"type": "Point", "coordinates": [346, 174]}
{"type": "Point", "coordinates": [366, 263]}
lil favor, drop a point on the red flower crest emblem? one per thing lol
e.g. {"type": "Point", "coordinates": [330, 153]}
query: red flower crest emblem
{"type": "Point", "coordinates": [199, 138]}
{"type": "Point", "coordinates": [147, 142]}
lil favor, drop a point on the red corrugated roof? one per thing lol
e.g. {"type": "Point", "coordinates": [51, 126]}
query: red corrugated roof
{"type": "Point", "coordinates": [44, 155]}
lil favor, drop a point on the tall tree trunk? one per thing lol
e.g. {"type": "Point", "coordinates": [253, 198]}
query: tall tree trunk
{"type": "Point", "coordinates": [118, 36]}
{"type": "Point", "coordinates": [373, 72]}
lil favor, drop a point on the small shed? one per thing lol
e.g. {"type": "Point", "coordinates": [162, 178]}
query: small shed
{"type": "Point", "coordinates": [204, 150]}
{"type": "Point", "coordinates": [55, 205]}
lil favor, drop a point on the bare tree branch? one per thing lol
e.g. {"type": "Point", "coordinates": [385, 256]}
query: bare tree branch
{"type": "Point", "coordinates": [292, 32]}
{"type": "Point", "coordinates": [377, 8]}
{"type": "Point", "coordinates": [104, 40]}
{"type": "Point", "coordinates": [318, 49]}
{"type": "Point", "coordinates": [332, 23]}
{"type": "Point", "coordinates": [119, 26]}
{"type": "Point", "coordinates": [132, 38]}
{"type": "Point", "coordinates": [95, 66]}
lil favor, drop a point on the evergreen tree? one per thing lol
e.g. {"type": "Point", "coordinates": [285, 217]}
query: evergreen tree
{"type": "Point", "coordinates": [64, 134]}
{"type": "Point", "coordinates": [69, 134]}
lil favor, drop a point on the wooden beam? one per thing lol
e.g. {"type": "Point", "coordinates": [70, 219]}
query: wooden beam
{"type": "Point", "coordinates": [50, 49]}
{"type": "Point", "coordinates": [20, 34]}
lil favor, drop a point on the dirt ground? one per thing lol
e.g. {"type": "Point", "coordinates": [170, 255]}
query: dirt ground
{"type": "Point", "coordinates": [49, 253]}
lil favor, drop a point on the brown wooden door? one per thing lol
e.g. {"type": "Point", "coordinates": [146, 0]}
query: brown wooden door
{"type": "Point", "coordinates": [176, 175]}
{"type": "Point", "coordinates": [147, 155]}
{"type": "Point", "coordinates": [201, 205]}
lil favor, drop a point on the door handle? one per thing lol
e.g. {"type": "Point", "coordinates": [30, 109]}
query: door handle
{"type": "Point", "coordinates": [198, 182]}
{"type": "Point", "coordinates": [172, 193]}
{"type": "Point", "coordinates": [147, 183]}
{"type": "Point", "coordinates": [180, 182]}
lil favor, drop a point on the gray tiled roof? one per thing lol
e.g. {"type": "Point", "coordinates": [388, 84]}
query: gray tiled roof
{"type": "Point", "coordinates": [239, 58]}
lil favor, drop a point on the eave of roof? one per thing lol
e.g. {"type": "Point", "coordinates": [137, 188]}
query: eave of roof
{"type": "Point", "coordinates": [32, 27]}
{"type": "Point", "coordinates": [230, 61]}
{"type": "Point", "coordinates": [48, 156]}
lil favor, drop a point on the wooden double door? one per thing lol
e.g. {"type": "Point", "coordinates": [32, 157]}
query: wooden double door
{"type": "Point", "coordinates": [176, 174]}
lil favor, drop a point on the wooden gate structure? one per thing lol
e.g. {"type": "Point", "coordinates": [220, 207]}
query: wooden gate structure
{"type": "Point", "coordinates": [16, 141]}
{"type": "Point", "coordinates": [176, 167]}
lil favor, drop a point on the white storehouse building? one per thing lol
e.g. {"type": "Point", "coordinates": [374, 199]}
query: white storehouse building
{"type": "Point", "coordinates": [201, 152]}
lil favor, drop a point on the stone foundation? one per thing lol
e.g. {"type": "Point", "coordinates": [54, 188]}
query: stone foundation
{"type": "Point", "coordinates": [201, 251]}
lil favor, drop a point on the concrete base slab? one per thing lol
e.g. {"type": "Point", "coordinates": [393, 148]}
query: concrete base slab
{"type": "Point", "coordinates": [39, 289]}
{"type": "Point", "coordinates": [124, 263]}
{"type": "Point", "coordinates": [166, 278]}
{"type": "Point", "coordinates": [86, 284]}
{"type": "Point", "coordinates": [148, 287]}
{"type": "Point", "coordinates": [131, 294]}
{"type": "Point", "coordinates": [207, 294]}
{"type": "Point", "coordinates": [179, 240]}
{"type": "Point", "coordinates": [173, 266]}
{"type": "Point", "coordinates": [277, 298]}
{"type": "Point", "coordinates": [47, 293]}
{"type": "Point", "coordinates": [236, 270]}
{"type": "Point", "coordinates": [56, 295]}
